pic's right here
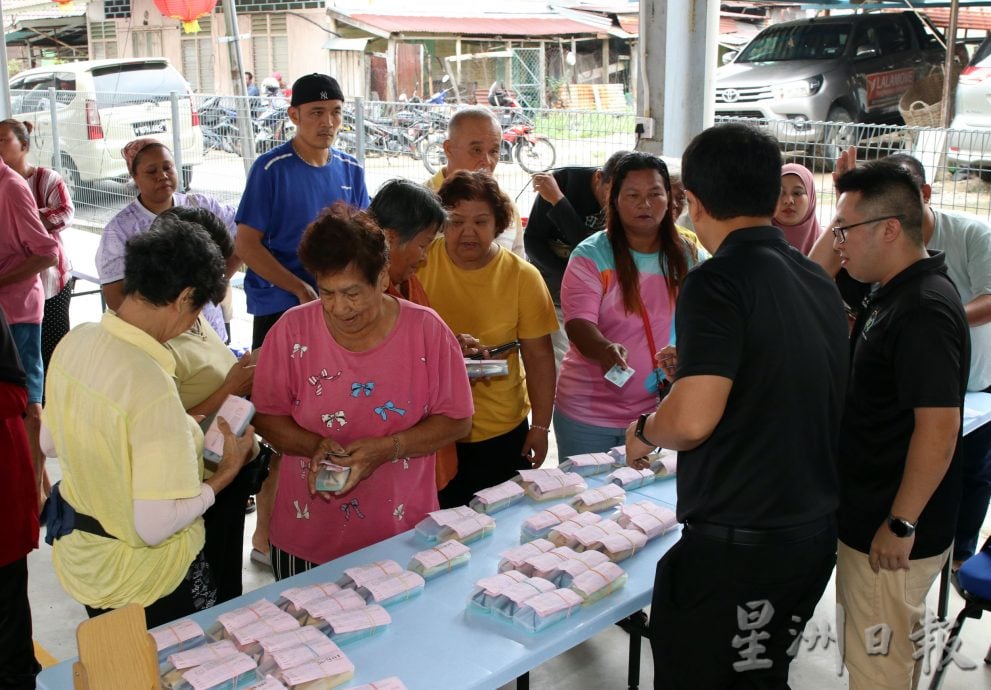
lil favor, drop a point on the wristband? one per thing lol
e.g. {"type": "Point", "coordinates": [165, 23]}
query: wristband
{"type": "Point", "coordinates": [545, 429]}
{"type": "Point", "coordinates": [396, 447]}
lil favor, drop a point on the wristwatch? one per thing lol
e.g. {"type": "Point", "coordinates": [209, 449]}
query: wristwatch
{"type": "Point", "coordinates": [641, 422]}
{"type": "Point", "coordinates": [901, 527]}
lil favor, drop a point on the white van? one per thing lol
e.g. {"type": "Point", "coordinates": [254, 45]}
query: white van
{"type": "Point", "coordinates": [101, 106]}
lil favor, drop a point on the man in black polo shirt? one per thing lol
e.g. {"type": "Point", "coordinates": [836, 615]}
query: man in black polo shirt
{"type": "Point", "coordinates": [899, 484]}
{"type": "Point", "coordinates": [754, 411]}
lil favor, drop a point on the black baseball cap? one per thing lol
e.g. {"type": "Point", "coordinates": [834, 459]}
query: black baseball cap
{"type": "Point", "coordinates": [315, 87]}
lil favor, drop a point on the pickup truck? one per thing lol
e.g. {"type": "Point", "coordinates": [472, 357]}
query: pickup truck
{"type": "Point", "coordinates": [847, 68]}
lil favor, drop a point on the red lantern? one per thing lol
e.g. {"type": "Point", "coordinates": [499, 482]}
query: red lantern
{"type": "Point", "coordinates": [63, 5]}
{"type": "Point", "coordinates": [186, 11]}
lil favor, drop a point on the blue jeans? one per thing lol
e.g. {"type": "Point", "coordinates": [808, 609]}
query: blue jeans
{"type": "Point", "coordinates": [575, 438]}
{"type": "Point", "coordinates": [27, 339]}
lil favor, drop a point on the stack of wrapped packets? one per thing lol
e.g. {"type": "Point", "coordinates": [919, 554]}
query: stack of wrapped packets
{"type": "Point", "coordinates": [597, 500]}
{"type": "Point", "coordinates": [536, 613]}
{"type": "Point", "coordinates": [320, 674]}
{"type": "Point", "coordinates": [360, 575]}
{"type": "Point", "coordinates": [249, 637]}
{"type": "Point", "coordinates": [545, 484]}
{"type": "Point", "coordinates": [294, 599]}
{"type": "Point", "coordinates": [241, 617]}
{"type": "Point", "coordinates": [497, 497]}
{"type": "Point", "coordinates": [469, 529]}
{"type": "Point", "coordinates": [180, 662]}
{"type": "Point", "coordinates": [630, 478]}
{"type": "Point", "coordinates": [588, 464]}
{"type": "Point", "coordinates": [651, 519]}
{"type": "Point", "coordinates": [598, 582]}
{"type": "Point", "coordinates": [177, 636]}
{"type": "Point", "coordinates": [664, 463]}
{"type": "Point", "coordinates": [319, 609]}
{"type": "Point", "coordinates": [392, 589]}
{"type": "Point", "coordinates": [485, 591]}
{"type": "Point", "coordinates": [509, 599]}
{"type": "Point", "coordinates": [429, 527]}
{"type": "Point", "coordinates": [439, 559]}
{"type": "Point", "coordinates": [621, 544]}
{"type": "Point", "coordinates": [348, 626]}
{"type": "Point", "coordinates": [563, 572]}
{"type": "Point", "coordinates": [564, 533]}
{"type": "Point", "coordinates": [233, 672]}
{"type": "Point", "coordinates": [513, 559]}
{"type": "Point", "coordinates": [278, 651]}
{"type": "Point", "coordinates": [538, 526]}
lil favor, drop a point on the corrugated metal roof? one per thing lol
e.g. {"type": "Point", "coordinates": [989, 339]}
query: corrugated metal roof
{"type": "Point", "coordinates": [478, 26]}
{"type": "Point", "coordinates": [973, 18]}
{"type": "Point", "coordinates": [26, 10]}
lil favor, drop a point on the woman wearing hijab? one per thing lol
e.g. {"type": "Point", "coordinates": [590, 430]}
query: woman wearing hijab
{"type": "Point", "coordinates": [796, 211]}
{"type": "Point", "coordinates": [19, 514]}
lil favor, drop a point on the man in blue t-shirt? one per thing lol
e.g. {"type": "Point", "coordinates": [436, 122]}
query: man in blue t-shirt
{"type": "Point", "coordinates": [287, 188]}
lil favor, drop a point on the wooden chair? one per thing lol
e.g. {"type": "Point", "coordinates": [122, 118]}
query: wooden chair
{"type": "Point", "coordinates": [116, 652]}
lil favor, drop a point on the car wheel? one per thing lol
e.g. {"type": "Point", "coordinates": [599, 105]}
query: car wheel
{"type": "Point", "coordinates": [187, 177]}
{"type": "Point", "coordinates": [70, 174]}
{"type": "Point", "coordinates": [837, 137]}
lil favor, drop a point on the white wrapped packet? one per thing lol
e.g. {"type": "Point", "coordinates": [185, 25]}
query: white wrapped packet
{"type": "Point", "coordinates": [360, 575]}
{"type": "Point", "coordinates": [621, 544]}
{"type": "Point", "coordinates": [538, 525]}
{"type": "Point", "coordinates": [242, 617]}
{"type": "Point", "coordinates": [348, 626]}
{"type": "Point", "coordinates": [320, 674]}
{"type": "Point", "coordinates": [538, 612]}
{"type": "Point", "coordinates": [497, 497]}
{"type": "Point", "coordinates": [248, 638]}
{"type": "Point", "coordinates": [563, 573]}
{"type": "Point", "coordinates": [597, 500]}
{"type": "Point", "coordinates": [544, 563]}
{"type": "Point", "coordinates": [630, 478]}
{"type": "Point", "coordinates": [545, 484]}
{"type": "Point", "coordinates": [430, 526]}
{"type": "Point", "coordinates": [393, 589]}
{"type": "Point", "coordinates": [487, 589]}
{"type": "Point", "coordinates": [468, 529]}
{"type": "Point", "coordinates": [307, 636]}
{"type": "Point", "coordinates": [651, 519]}
{"type": "Point", "coordinates": [232, 672]}
{"type": "Point", "coordinates": [513, 559]}
{"type": "Point", "coordinates": [586, 536]}
{"type": "Point", "coordinates": [294, 599]}
{"type": "Point", "coordinates": [345, 600]}
{"type": "Point", "coordinates": [588, 464]}
{"type": "Point", "coordinates": [203, 654]}
{"type": "Point", "coordinates": [598, 582]}
{"type": "Point", "coordinates": [440, 559]}
{"type": "Point", "coordinates": [564, 534]}
{"type": "Point", "coordinates": [510, 598]}
{"type": "Point", "coordinates": [664, 463]}
{"type": "Point", "coordinates": [177, 636]}
{"type": "Point", "coordinates": [291, 657]}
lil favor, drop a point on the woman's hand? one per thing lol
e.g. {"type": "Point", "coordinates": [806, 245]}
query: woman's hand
{"type": "Point", "coordinates": [304, 292]}
{"type": "Point", "coordinates": [240, 376]}
{"type": "Point", "coordinates": [546, 186]}
{"type": "Point", "coordinates": [469, 344]}
{"type": "Point", "coordinates": [237, 450]}
{"type": "Point", "coordinates": [612, 355]}
{"type": "Point", "coordinates": [667, 360]}
{"type": "Point", "coordinates": [362, 456]}
{"type": "Point", "coordinates": [327, 449]}
{"type": "Point", "coordinates": [535, 447]}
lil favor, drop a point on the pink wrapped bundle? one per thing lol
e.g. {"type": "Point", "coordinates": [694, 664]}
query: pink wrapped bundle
{"type": "Point", "coordinates": [630, 478]}
{"type": "Point", "coordinates": [358, 624]}
{"type": "Point", "coordinates": [284, 659]}
{"type": "Point", "coordinates": [586, 536]}
{"type": "Point", "coordinates": [231, 672]}
{"type": "Point", "coordinates": [545, 484]}
{"type": "Point", "coordinates": [598, 582]}
{"type": "Point", "coordinates": [242, 617]}
{"type": "Point", "coordinates": [513, 559]}
{"type": "Point", "coordinates": [393, 589]}
{"type": "Point", "coordinates": [544, 610]}
{"type": "Point", "coordinates": [488, 588]}
{"type": "Point", "coordinates": [430, 526]}
{"type": "Point", "coordinates": [497, 497]}
{"type": "Point", "coordinates": [177, 636]}
{"type": "Point", "coordinates": [307, 636]}
{"type": "Point", "coordinates": [651, 519]}
{"type": "Point", "coordinates": [620, 544]}
{"type": "Point", "coordinates": [542, 564]}
{"type": "Point", "coordinates": [345, 600]}
{"type": "Point", "coordinates": [440, 559]}
{"type": "Point", "coordinates": [564, 534]}
{"type": "Point", "coordinates": [588, 464]}
{"type": "Point", "coordinates": [319, 674]}
{"type": "Point", "coordinates": [597, 500]}
{"type": "Point", "coordinates": [561, 574]}
{"type": "Point", "coordinates": [664, 463]}
{"type": "Point", "coordinates": [468, 529]}
{"type": "Point", "coordinates": [537, 526]}
{"type": "Point", "coordinates": [247, 638]}
{"type": "Point", "coordinates": [510, 598]}
{"type": "Point", "coordinates": [360, 575]}
{"type": "Point", "coordinates": [294, 599]}
{"type": "Point", "coordinates": [197, 656]}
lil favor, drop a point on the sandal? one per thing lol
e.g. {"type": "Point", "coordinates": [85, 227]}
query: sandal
{"type": "Point", "coordinates": [261, 558]}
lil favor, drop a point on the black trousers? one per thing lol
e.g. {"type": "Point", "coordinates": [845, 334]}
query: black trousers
{"type": "Point", "coordinates": [224, 523]}
{"type": "Point", "coordinates": [260, 326]}
{"type": "Point", "coordinates": [709, 599]}
{"type": "Point", "coordinates": [55, 322]}
{"type": "Point", "coordinates": [18, 667]}
{"type": "Point", "coordinates": [484, 464]}
{"type": "Point", "coordinates": [195, 593]}
{"type": "Point", "coordinates": [975, 468]}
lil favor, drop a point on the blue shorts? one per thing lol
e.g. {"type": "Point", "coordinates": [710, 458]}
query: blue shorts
{"type": "Point", "coordinates": [27, 338]}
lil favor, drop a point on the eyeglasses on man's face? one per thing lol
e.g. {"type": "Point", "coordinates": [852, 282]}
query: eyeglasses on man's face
{"type": "Point", "coordinates": [839, 231]}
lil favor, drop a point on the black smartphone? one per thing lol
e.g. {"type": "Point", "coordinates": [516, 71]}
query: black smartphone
{"type": "Point", "coordinates": [497, 350]}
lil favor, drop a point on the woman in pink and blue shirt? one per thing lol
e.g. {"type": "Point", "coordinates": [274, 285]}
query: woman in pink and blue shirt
{"type": "Point", "coordinates": [618, 297]}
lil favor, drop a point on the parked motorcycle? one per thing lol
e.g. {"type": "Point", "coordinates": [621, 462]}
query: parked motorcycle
{"type": "Point", "coordinates": [218, 122]}
{"type": "Point", "coordinates": [272, 125]}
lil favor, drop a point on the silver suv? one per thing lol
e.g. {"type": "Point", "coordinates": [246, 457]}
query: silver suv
{"type": "Point", "coordinates": [848, 68]}
{"type": "Point", "coordinates": [101, 105]}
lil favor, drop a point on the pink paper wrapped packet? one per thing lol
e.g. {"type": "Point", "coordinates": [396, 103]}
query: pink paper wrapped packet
{"type": "Point", "coordinates": [390, 683]}
{"type": "Point", "coordinates": [512, 559]}
{"type": "Point", "coordinates": [177, 636]}
{"type": "Point", "coordinates": [242, 617]}
{"type": "Point", "coordinates": [562, 573]}
{"type": "Point", "coordinates": [230, 673]}
{"type": "Point", "coordinates": [596, 500]}
{"type": "Point", "coordinates": [293, 600]}
{"type": "Point", "coordinates": [545, 484]}
{"type": "Point", "coordinates": [430, 526]}
{"type": "Point", "coordinates": [202, 654]}
{"type": "Point", "coordinates": [360, 575]}
{"type": "Point", "coordinates": [588, 464]}
{"type": "Point", "coordinates": [598, 582]}
{"type": "Point", "coordinates": [320, 674]}
{"type": "Point", "coordinates": [538, 525]}
{"type": "Point", "coordinates": [621, 544]}
{"type": "Point", "coordinates": [488, 588]}
{"type": "Point", "coordinates": [651, 519]}
{"type": "Point", "coordinates": [393, 589]}
{"type": "Point", "coordinates": [440, 559]}
{"type": "Point", "coordinates": [497, 497]}
{"type": "Point", "coordinates": [564, 533]}
{"type": "Point", "coordinates": [358, 624]}
{"type": "Point", "coordinates": [291, 657]}
{"type": "Point", "coordinates": [345, 600]}
{"type": "Point", "coordinates": [266, 683]}
{"type": "Point", "coordinates": [307, 636]}
{"type": "Point", "coordinates": [544, 563]}
{"type": "Point", "coordinates": [664, 463]}
{"type": "Point", "coordinates": [248, 638]}
{"type": "Point", "coordinates": [468, 529]}
{"type": "Point", "coordinates": [510, 598]}
{"type": "Point", "coordinates": [586, 536]}
{"type": "Point", "coordinates": [630, 478]}
{"type": "Point", "coordinates": [543, 610]}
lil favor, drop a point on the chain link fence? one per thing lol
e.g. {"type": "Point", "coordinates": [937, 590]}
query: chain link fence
{"type": "Point", "coordinates": [83, 140]}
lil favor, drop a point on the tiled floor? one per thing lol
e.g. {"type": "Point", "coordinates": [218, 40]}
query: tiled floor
{"type": "Point", "coordinates": [599, 664]}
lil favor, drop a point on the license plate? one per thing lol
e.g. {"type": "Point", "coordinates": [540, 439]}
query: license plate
{"type": "Point", "coordinates": [143, 128]}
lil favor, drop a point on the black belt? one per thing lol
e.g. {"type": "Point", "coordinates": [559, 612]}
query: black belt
{"type": "Point", "coordinates": [756, 537]}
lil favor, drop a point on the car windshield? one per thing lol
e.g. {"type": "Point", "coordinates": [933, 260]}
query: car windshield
{"type": "Point", "coordinates": [136, 83]}
{"type": "Point", "coordinates": [982, 56]}
{"type": "Point", "coordinates": [803, 42]}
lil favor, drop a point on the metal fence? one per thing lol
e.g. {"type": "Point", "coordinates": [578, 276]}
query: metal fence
{"type": "Point", "coordinates": [84, 137]}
